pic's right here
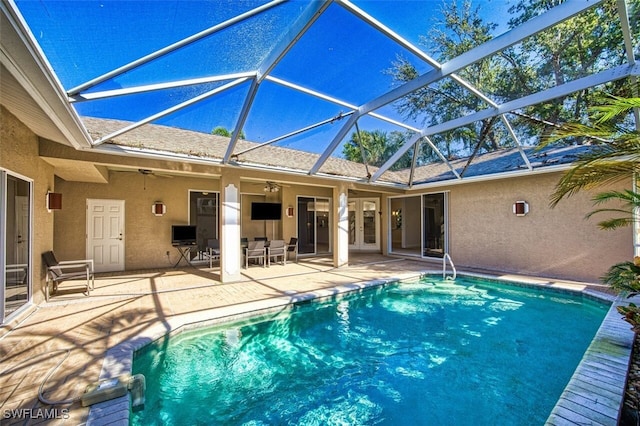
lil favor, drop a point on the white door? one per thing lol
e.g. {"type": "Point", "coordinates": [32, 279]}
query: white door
{"type": "Point", "coordinates": [364, 224]}
{"type": "Point", "coordinates": [105, 234]}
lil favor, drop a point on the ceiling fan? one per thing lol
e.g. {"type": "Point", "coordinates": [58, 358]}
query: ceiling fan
{"type": "Point", "coordinates": [144, 172]}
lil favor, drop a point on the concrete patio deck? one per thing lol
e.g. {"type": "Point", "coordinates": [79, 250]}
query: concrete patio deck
{"type": "Point", "coordinates": [124, 307]}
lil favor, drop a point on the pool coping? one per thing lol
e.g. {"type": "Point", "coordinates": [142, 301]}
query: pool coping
{"type": "Point", "coordinates": [593, 375]}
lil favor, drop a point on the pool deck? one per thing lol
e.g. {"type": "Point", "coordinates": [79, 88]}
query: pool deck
{"type": "Point", "coordinates": [99, 333]}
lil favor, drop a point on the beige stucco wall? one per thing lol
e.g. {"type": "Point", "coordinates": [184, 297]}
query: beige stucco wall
{"type": "Point", "coordinates": [550, 242]}
{"type": "Point", "coordinates": [19, 155]}
{"type": "Point", "coordinates": [147, 237]}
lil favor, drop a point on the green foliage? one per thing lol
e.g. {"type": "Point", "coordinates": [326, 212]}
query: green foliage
{"type": "Point", "coordinates": [615, 158]}
{"type": "Point", "coordinates": [223, 131]}
{"type": "Point", "coordinates": [378, 147]}
{"type": "Point", "coordinates": [624, 278]}
{"type": "Point", "coordinates": [631, 314]}
{"type": "Point", "coordinates": [585, 44]}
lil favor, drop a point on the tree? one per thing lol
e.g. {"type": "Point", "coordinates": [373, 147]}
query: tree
{"type": "Point", "coordinates": [588, 43]}
{"type": "Point", "coordinates": [222, 131]}
{"type": "Point", "coordinates": [583, 45]}
{"type": "Point", "coordinates": [378, 147]}
{"type": "Point", "coordinates": [615, 158]}
{"type": "Point", "coordinates": [460, 30]}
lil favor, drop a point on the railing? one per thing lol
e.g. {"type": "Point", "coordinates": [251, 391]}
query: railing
{"type": "Point", "coordinates": [444, 267]}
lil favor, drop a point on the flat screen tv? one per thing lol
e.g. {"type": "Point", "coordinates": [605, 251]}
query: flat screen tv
{"type": "Point", "coordinates": [266, 211]}
{"type": "Point", "coordinates": [183, 235]}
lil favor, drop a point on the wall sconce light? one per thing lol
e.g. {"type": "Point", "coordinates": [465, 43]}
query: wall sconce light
{"type": "Point", "coordinates": [158, 208]}
{"type": "Point", "coordinates": [290, 211]}
{"type": "Point", "coordinates": [520, 208]}
{"type": "Point", "coordinates": [54, 201]}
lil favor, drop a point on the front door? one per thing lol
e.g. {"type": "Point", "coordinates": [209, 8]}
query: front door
{"type": "Point", "coordinates": [105, 234]}
{"type": "Point", "coordinates": [364, 224]}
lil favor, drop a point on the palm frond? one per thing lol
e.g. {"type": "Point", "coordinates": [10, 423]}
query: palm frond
{"type": "Point", "coordinates": [616, 107]}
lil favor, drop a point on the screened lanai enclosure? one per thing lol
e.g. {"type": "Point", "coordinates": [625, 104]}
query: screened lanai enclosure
{"type": "Point", "coordinates": [414, 91]}
{"type": "Point", "coordinates": [398, 99]}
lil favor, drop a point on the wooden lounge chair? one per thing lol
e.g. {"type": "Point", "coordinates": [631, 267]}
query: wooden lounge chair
{"type": "Point", "coordinates": [66, 270]}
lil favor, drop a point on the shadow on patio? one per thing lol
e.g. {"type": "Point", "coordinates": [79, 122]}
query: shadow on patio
{"type": "Point", "coordinates": [131, 306]}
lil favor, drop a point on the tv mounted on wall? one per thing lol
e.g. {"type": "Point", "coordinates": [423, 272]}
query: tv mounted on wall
{"type": "Point", "coordinates": [266, 211]}
{"type": "Point", "coordinates": [183, 235]}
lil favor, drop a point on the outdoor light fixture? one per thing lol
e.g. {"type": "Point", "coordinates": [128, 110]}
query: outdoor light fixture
{"type": "Point", "coordinates": [54, 201]}
{"type": "Point", "coordinates": [271, 187]}
{"type": "Point", "coordinates": [290, 211]}
{"type": "Point", "coordinates": [520, 208]}
{"type": "Point", "coordinates": [158, 208]}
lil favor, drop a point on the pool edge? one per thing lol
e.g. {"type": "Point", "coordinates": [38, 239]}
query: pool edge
{"type": "Point", "coordinates": [119, 359]}
{"type": "Point", "coordinates": [595, 392]}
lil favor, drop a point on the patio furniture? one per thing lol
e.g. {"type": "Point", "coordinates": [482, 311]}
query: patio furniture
{"type": "Point", "coordinates": [260, 239]}
{"type": "Point", "coordinates": [292, 247]}
{"type": "Point", "coordinates": [277, 249]}
{"type": "Point", "coordinates": [66, 270]}
{"type": "Point", "coordinates": [255, 250]}
{"type": "Point", "coordinates": [212, 251]}
{"type": "Point", "coordinates": [16, 274]}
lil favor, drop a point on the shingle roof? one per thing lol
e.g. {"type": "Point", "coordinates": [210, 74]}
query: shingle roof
{"type": "Point", "coordinates": [202, 145]}
{"type": "Point", "coordinates": [209, 146]}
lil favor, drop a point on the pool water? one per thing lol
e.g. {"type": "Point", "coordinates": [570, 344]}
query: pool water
{"type": "Point", "coordinates": [431, 352]}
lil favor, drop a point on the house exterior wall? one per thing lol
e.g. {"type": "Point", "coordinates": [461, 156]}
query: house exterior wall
{"type": "Point", "coordinates": [549, 242]}
{"type": "Point", "coordinates": [483, 231]}
{"type": "Point", "coordinates": [147, 237]}
{"type": "Point", "coordinates": [19, 155]}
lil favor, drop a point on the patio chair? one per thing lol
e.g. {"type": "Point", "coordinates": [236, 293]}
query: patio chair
{"type": "Point", "coordinates": [277, 249]}
{"type": "Point", "coordinates": [255, 250]}
{"type": "Point", "coordinates": [260, 239]}
{"type": "Point", "coordinates": [212, 251]}
{"type": "Point", "coordinates": [66, 270]}
{"type": "Point", "coordinates": [292, 247]}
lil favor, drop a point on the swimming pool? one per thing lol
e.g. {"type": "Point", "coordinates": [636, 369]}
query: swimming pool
{"type": "Point", "coordinates": [427, 352]}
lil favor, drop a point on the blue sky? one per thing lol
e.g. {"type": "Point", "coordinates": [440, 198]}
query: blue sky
{"type": "Point", "coordinates": [340, 56]}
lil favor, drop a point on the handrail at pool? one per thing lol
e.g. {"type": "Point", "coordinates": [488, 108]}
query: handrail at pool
{"type": "Point", "coordinates": [444, 267]}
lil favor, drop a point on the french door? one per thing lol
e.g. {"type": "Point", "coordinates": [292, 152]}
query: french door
{"type": "Point", "coordinates": [15, 238]}
{"type": "Point", "coordinates": [364, 224]}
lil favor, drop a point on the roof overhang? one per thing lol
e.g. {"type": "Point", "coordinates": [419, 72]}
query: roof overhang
{"type": "Point", "coordinates": [30, 90]}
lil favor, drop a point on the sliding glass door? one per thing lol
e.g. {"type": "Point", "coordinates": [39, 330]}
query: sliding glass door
{"type": "Point", "coordinates": [314, 227]}
{"type": "Point", "coordinates": [418, 225]}
{"type": "Point", "coordinates": [434, 241]}
{"type": "Point", "coordinates": [15, 237]}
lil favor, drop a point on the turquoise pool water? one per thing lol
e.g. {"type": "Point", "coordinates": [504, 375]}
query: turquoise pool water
{"type": "Point", "coordinates": [431, 353]}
